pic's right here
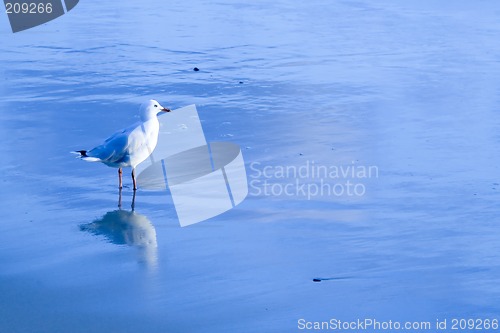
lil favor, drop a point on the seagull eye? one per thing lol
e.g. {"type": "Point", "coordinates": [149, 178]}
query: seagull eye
{"type": "Point", "coordinates": [156, 106]}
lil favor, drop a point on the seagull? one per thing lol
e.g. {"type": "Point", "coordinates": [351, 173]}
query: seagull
{"type": "Point", "coordinates": [130, 146]}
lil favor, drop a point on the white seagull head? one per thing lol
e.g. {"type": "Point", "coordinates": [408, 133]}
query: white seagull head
{"type": "Point", "coordinates": [151, 108]}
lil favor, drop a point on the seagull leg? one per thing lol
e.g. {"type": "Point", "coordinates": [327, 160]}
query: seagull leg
{"type": "Point", "coordinates": [133, 179]}
{"type": "Point", "coordinates": [120, 185]}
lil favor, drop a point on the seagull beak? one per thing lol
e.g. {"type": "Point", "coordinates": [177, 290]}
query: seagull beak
{"type": "Point", "coordinates": [165, 110]}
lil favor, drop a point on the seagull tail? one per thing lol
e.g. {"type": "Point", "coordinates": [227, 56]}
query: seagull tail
{"type": "Point", "coordinates": [82, 154]}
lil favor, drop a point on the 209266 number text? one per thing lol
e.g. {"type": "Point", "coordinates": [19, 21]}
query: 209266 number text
{"type": "Point", "coordinates": [28, 8]}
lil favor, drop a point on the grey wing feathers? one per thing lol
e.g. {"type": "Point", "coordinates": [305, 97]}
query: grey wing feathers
{"type": "Point", "coordinates": [114, 149]}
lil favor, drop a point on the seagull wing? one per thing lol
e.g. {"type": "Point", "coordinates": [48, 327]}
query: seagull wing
{"type": "Point", "coordinates": [115, 148]}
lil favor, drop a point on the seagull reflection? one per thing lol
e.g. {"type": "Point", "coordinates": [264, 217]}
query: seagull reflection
{"type": "Point", "coordinates": [127, 227]}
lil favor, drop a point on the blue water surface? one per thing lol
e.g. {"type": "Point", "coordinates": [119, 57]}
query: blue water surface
{"type": "Point", "coordinates": [411, 88]}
